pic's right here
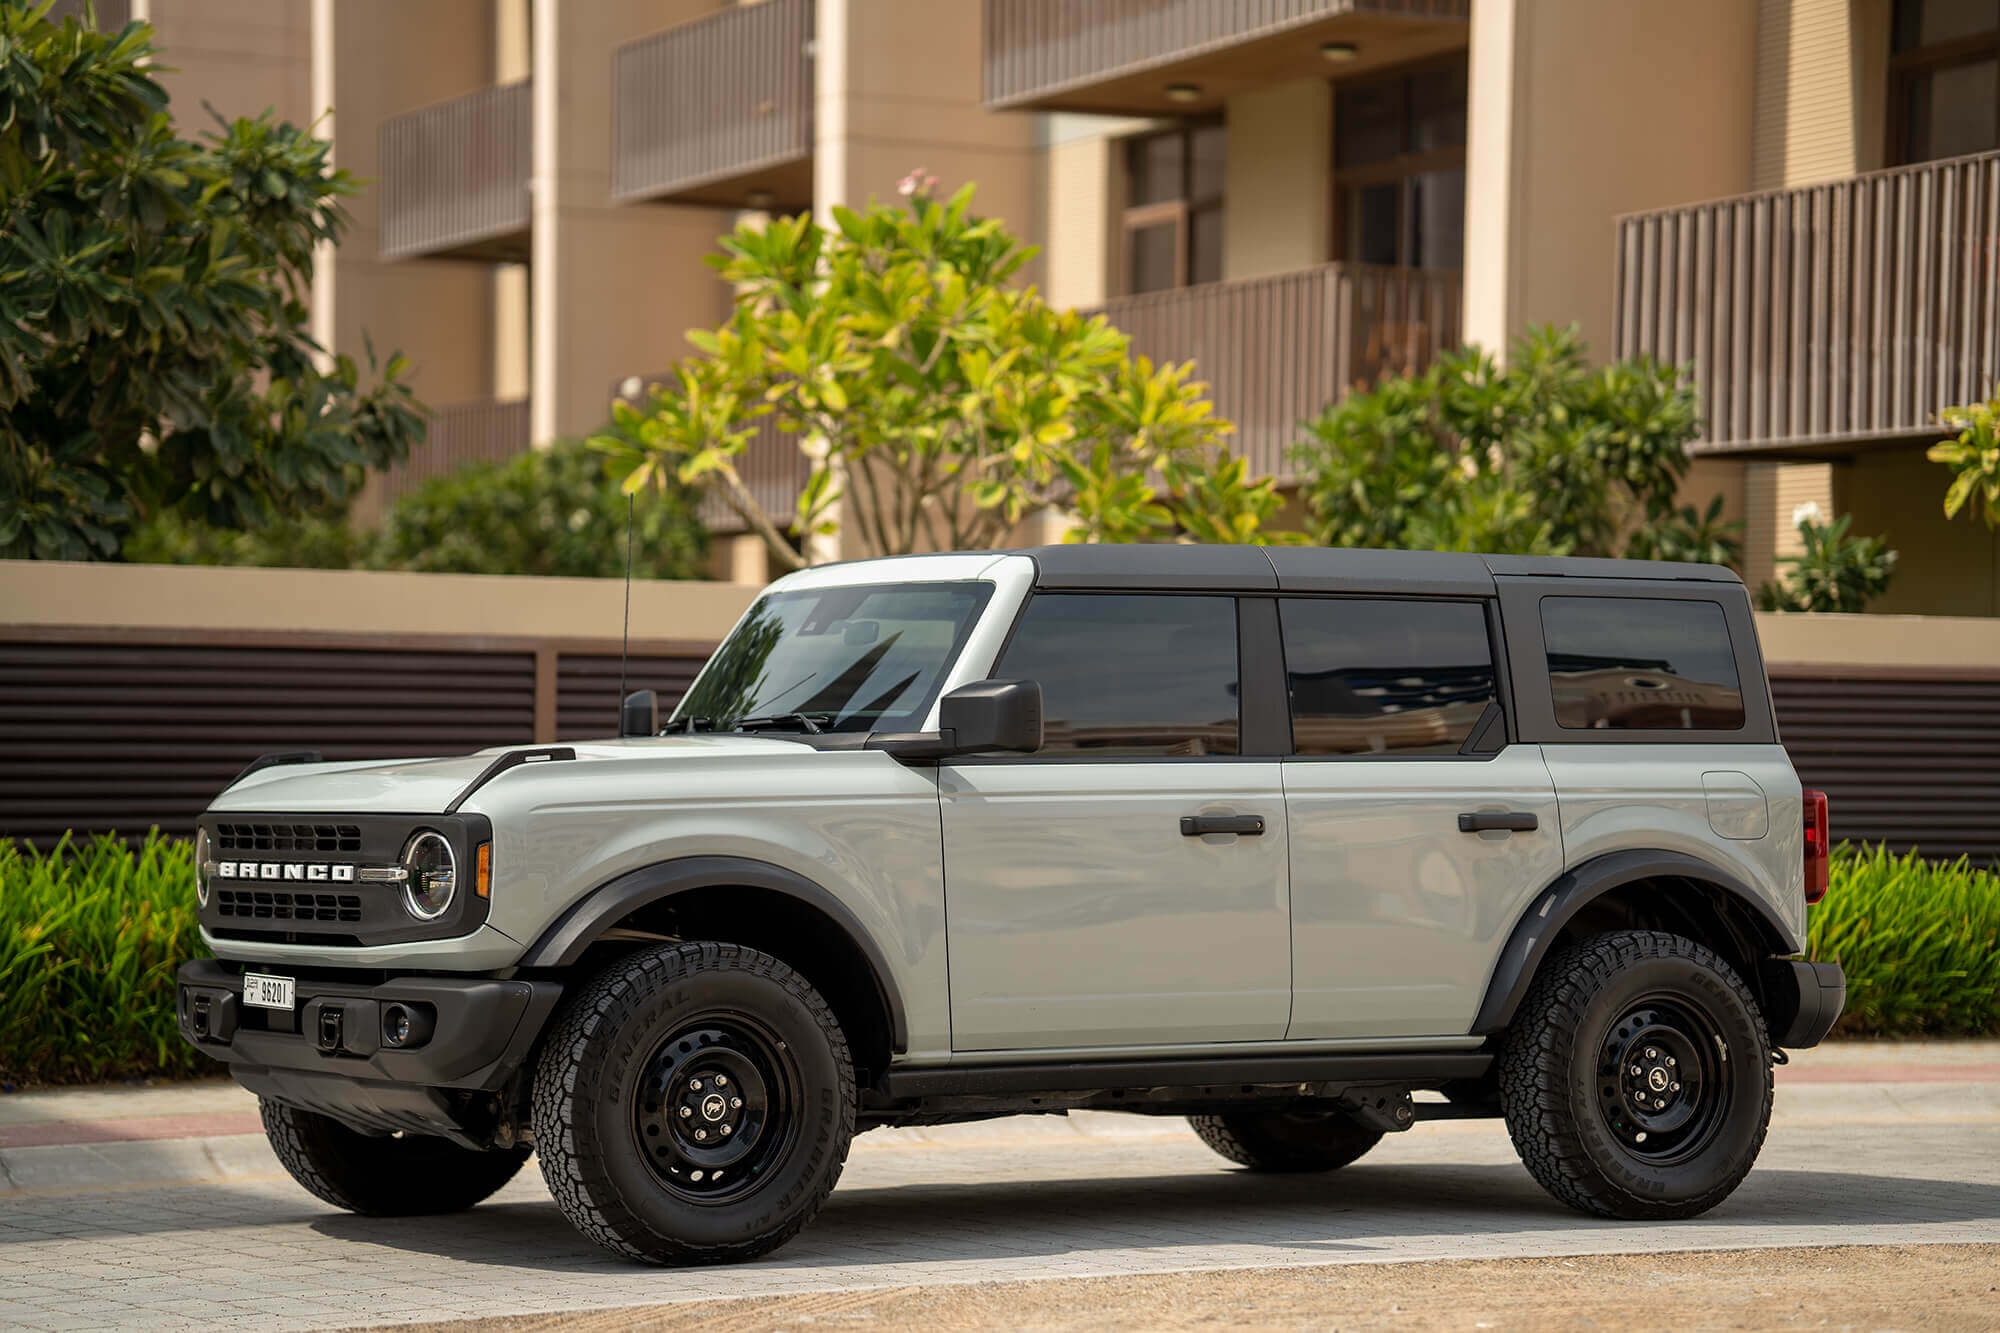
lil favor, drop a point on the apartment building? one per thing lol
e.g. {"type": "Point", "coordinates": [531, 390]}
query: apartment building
{"type": "Point", "coordinates": [1799, 198]}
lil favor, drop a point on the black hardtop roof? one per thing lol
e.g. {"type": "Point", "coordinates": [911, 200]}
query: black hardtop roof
{"type": "Point", "coordinates": [1328, 569]}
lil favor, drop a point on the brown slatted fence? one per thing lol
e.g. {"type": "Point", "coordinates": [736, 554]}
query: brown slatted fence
{"type": "Point", "coordinates": [720, 97]}
{"type": "Point", "coordinates": [104, 731]}
{"type": "Point", "coordinates": [1851, 310]}
{"type": "Point", "coordinates": [1275, 350]}
{"type": "Point", "coordinates": [1037, 47]}
{"type": "Point", "coordinates": [1912, 761]}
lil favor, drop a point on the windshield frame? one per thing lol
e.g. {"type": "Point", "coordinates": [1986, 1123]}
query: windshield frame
{"type": "Point", "coordinates": [909, 719]}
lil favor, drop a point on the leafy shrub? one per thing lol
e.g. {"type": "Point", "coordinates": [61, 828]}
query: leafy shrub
{"type": "Point", "coordinates": [1920, 942]}
{"type": "Point", "coordinates": [1541, 456]}
{"type": "Point", "coordinates": [553, 511]}
{"type": "Point", "coordinates": [90, 935]}
{"type": "Point", "coordinates": [1836, 572]}
{"type": "Point", "coordinates": [1974, 458]}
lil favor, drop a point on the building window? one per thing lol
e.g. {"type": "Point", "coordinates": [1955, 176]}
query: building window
{"type": "Point", "coordinates": [1173, 214]}
{"type": "Point", "coordinates": [1944, 79]}
{"type": "Point", "coordinates": [1399, 168]}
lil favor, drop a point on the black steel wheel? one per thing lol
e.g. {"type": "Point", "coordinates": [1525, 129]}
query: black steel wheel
{"type": "Point", "coordinates": [694, 1105]}
{"type": "Point", "coordinates": [1636, 1077]}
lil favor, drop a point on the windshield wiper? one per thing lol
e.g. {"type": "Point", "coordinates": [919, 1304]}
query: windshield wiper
{"type": "Point", "coordinates": [688, 726]}
{"type": "Point", "coordinates": [807, 722]}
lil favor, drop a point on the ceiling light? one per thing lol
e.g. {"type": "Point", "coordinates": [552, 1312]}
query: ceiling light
{"type": "Point", "coordinates": [1338, 53]}
{"type": "Point", "coordinates": [1183, 92]}
{"type": "Point", "coordinates": [760, 199]}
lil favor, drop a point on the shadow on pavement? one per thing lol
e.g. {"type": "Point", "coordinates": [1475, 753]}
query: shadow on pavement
{"type": "Point", "coordinates": [1362, 1208]}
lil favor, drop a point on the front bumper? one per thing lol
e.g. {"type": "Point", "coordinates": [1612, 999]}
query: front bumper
{"type": "Point", "coordinates": [328, 1053]}
{"type": "Point", "coordinates": [1803, 1000]}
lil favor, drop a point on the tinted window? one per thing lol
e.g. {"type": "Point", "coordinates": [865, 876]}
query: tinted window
{"type": "Point", "coordinates": [1143, 675]}
{"type": "Point", "coordinates": [1385, 677]}
{"type": "Point", "coordinates": [1641, 663]}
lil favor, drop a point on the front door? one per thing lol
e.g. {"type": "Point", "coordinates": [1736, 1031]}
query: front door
{"type": "Point", "coordinates": [1126, 885]}
{"type": "Point", "coordinates": [1398, 911]}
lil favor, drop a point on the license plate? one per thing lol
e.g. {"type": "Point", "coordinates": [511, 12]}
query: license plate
{"type": "Point", "coordinates": [267, 992]}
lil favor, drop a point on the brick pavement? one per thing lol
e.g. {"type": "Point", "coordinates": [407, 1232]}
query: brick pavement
{"type": "Point", "coordinates": [1892, 1161]}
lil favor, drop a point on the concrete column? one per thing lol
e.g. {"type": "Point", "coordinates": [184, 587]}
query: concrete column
{"type": "Point", "coordinates": [1581, 111]}
{"type": "Point", "coordinates": [1278, 179]}
{"type": "Point", "coordinates": [613, 288]}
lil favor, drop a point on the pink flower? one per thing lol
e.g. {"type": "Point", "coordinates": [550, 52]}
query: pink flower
{"type": "Point", "coordinates": [918, 181]}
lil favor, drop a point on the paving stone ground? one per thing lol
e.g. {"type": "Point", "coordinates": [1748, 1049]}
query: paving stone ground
{"type": "Point", "coordinates": [1849, 1162]}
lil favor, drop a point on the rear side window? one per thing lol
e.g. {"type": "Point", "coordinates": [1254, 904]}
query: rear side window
{"type": "Point", "coordinates": [1641, 664]}
{"type": "Point", "coordinates": [1130, 675]}
{"type": "Point", "coordinates": [1385, 677]}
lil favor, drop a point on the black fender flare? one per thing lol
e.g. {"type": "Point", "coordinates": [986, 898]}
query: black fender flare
{"type": "Point", "coordinates": [1553, 908]}
{"type": "Point", "coordinates": [564, 942]}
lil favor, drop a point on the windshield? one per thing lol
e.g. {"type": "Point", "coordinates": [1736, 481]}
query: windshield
{"type": "Point", "coordinates": [860, 658]}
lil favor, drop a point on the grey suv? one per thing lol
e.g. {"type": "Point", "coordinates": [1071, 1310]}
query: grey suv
{"type": "Point", "coordinates": [1285, 841]}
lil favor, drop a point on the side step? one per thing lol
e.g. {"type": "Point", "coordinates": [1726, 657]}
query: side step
{"type": "Point", "coordinates": [1421, 1069]}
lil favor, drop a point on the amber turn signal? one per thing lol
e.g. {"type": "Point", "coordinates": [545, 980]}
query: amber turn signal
{"type": "Point", "coordinates": [482, 882]}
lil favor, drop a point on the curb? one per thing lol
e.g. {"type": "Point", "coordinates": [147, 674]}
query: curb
{"type": "Point", "coordinates": [89, 1168]}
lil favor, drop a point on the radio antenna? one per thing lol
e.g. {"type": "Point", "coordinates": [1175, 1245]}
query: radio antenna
{"type": "Point", "coordinates": [625, 641]}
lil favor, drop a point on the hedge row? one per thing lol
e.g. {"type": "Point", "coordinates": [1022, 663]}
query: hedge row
{"type": "Point", "coordinates": [91, 932]}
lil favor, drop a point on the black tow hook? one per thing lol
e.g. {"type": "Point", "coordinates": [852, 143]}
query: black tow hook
{"type": "Point", "coordinates": [330, 1028]}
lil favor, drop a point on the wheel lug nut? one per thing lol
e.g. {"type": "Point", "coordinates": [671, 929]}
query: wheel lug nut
{"type": "Point", "coordinates": [694, 1175]}
{"type": "Point", "coordinates": [1670, 1062]}
{"type": "Point", "coordinates": [1640, 1137]}
{"type": "Point", "coordinates": [1636, 1071]}
{"type": "Point", "coordinates": [701, 1133]}
{"type": "Point", "coordinates": [721, 1080]}
{"type": "Point", "coordinates": [1673, 1087]}
{"type": "Point", "coordinates": [686, 1111]}
{"type": "Point", "coordinates": [695, 1083]}
{"type": "Point", "coordinates": [727, 1130]}
{"type": "Point", "coordinates": [1651, 1053]}
{"type": "Point", "coordinates": [735, 1103]}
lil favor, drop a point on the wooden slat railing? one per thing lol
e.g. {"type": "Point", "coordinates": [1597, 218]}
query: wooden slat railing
{"type": "Point", "coordinates": [454, 177]}
{"type": "Point", "coordinates": [1274, 351]}
{"type": "Point", "coordinates": [1034, 48]}
{"type": "Point", "coordinates": [487, 430]}
{"type": "Point", "coordinates": [721, 97]}
{"type": "Point", "coordinates": [1848, 311]}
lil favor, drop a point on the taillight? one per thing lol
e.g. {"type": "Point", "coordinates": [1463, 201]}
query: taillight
{"type": "Point", "coordinates": [1819, 853]}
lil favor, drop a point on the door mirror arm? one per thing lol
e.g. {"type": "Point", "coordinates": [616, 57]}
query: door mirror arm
{"type": "Point", "coordinates": [979, 718]}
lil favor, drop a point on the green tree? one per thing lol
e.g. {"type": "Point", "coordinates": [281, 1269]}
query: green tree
{"type": "Point", "coordinates": [153, 346]}
{"type": "Point", "coordinates": [554, 511]}
{"type": "Point", "coordinates": [1834, 572]}
{"type": "Point", "coordinates": [938, 404]}
{"type": "Point", "coordinates": [1974, 458]}
{"type": "Point", "coordinates": [1543, 455]}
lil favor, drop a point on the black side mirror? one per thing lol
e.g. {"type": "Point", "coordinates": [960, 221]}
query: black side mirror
{"type": "Point", "coordinates": [639, 715]}
{"type": "Point", "coordinates": [993, 715]}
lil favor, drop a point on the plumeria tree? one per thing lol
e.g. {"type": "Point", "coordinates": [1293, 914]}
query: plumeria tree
{"type": "Point", "coordinates": [1834, 570]}
{"type": "Point", "coordinates": [938, 402]}
{"type": "Point", "coordinates": [1974, 458]}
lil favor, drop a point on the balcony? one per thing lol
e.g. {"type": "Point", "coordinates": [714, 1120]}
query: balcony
{"type": "Point", "coordinates": [1828, 318]}
{"type": "Point", "coordinates": [455, 178]}
{"type": "Point", "coordinates": [718, 111]}
{"type": "Point", "coordinates": [487, 430]}
{"type": "Point", "coordinates": [1122, 56]}
{"type": "Point", "coordinates": [1274, 351]}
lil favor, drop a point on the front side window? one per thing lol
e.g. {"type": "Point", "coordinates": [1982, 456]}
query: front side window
{"type": "Point", "coordinates": [1641, 664]}
{"type": "Point", "coordinates": [1388, 677]}
{"type": "Point", "coordinates": [1130, 675]}
{"type": "Point", "coordinates": [1944, 96]}
{"type": "Point", "coordinates": [864, 658]}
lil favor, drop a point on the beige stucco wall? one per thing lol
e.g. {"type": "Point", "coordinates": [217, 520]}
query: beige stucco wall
{"type": "Point", "coordinates": [1807, 113]}
{"type": "Point", "coordinates": [614, 289]}
{"type": "Point", "coordinates": [56, 593]}
{"type": "Point", "coordinates": [1276, 190]}
{"type": "Point", "coordinates": [1941, 643]}
{"type": "Point", "coordinates": [239, 56]}
{"type": "Point", "coordinates": [1773, 492]}
{"type": "Point", "coordinates": [1942, 568]}
{"type": "Point", "coordinates": [1582, 110]}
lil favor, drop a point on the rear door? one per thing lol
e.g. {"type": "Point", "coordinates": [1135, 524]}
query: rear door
{"type": "Point", "coordinates": [1398, 730]}
{"type": "Point", "coordinates": [1081, 910]}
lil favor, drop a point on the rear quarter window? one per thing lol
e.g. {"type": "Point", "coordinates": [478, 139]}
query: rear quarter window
{"type": "Point", "coordinates": [1641, 664]}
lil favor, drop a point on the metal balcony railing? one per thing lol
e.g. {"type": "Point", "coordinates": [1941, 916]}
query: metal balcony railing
{"type": "Point", "coordinates": [1274, 351]}
{"type": "Point", "coordinates": [1819, 317]}
{"type": "Point", "coordinates": [1049, 53]}
{"type": "Point", "coordinates": [486, 430]}
{"type": "Point", "coordinates": [454, 177]}
{"type": "Point", "coordinates": [719, 110]}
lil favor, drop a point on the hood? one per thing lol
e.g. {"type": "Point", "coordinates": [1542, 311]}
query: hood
{"type": "Point", "coordinates": [427, 786]}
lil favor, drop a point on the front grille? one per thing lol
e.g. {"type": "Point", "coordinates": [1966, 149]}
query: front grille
{"type": "Point", "coordinates": [274, 905]}
{"type": "Point", "coordinates": [288, 837]}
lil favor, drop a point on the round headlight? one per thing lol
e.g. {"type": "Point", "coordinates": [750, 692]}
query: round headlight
{"type": "Point", "coordinates": [201, 867]}
{"type": "Point", "coordinates": [433, 875]}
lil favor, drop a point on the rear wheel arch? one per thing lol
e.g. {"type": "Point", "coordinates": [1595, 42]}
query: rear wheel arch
{"type": "Point", "coordinates": [1627, 890]}
{"type": "Point", "coordinates": [738, 900]}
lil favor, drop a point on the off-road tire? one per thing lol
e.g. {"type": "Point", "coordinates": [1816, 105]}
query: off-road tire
{"type": "Point", "coordinates": [1286, 1141]}
{"type": "Point", "coordinates": [591, 1092]}
{"type": "Point", "coordinates": [405, 1175]}
{"type": "Point", "coordinates": [1565, 1100]}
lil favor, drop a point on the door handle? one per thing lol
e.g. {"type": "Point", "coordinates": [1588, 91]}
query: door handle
{"type": "Point", "coordinates": [1506, 821]}
{"type": "Point", "coordinates": [1193, 826]}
